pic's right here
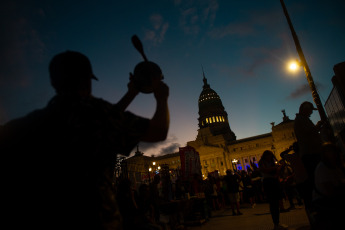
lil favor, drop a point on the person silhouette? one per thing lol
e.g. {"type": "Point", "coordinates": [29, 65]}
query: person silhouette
{"type": "Point", "coordinates": [308, 138]}
{"type": "Point", "coordinates": [61, 158]}
{"type": "Point", "coordinates": [271, 185]}
{"type": "Point", "coordinates": [328, 193]}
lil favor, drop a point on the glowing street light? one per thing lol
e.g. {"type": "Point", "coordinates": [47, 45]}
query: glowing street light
{"type": "Point", "coordinates": [293, 66]}
{"type": "Point", "coordinates": [234, 163]}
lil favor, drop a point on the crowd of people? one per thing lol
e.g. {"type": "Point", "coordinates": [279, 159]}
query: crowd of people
{"type": "Point", "coordinates": [310, 176]}
{"type": "Point", "coordinates": [142, 205]}
{"type": "Point", "coordinates": [60, 161]}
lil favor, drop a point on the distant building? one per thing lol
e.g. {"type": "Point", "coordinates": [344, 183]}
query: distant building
{"type": "Point", "coordinates": [335, 104]}
{"type": "Point", "coordinates": [216, 143]}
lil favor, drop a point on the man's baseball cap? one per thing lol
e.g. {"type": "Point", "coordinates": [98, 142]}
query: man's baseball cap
{"type": "Point", "coordinates": [307, 104]}
{"type": "Point", "coordinates": [69, 66]}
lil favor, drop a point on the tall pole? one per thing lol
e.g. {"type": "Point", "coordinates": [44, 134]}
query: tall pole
{"type": "Point", "coordinates": [310, 80]}
{"type": "Point", "coordinates": [316, 97]}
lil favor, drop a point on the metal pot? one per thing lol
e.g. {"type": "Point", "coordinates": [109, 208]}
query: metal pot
{"type": "Point", "coordinates": [144, 73]}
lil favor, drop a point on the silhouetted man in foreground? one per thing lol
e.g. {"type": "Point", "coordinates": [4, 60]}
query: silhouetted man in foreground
{"type": "Point", "coordinates": [60, 159]}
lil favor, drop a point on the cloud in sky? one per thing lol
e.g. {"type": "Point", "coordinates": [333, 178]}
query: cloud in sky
{"type": "Point", "coordinates": [170, 145]}
{"type": "Point", "coordinates": [160, 27]}
{"type": "Point", "coordinates": [171, 148]}
{"type": "Point", "coordinates": [193, 14]}
{"type": "Point", "coordinates": [304, 90]}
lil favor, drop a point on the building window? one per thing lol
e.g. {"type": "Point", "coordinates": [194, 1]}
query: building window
{"type": "Point", "coordinates": [213, 119]}
{"type": "Point", "coordinates": [206, 120]}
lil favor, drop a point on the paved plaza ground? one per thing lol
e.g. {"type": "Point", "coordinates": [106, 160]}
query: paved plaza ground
{"type": "Point", "coordinates": [257, 218]}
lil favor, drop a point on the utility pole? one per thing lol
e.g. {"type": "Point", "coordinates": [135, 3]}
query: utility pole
{"type": "Point", "coordinates": [310, 80]}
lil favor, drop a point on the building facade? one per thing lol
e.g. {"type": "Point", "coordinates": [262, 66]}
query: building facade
{"type": "Point", "coordinates": [216, 143]}
{"type": "Point", "coordinates": [335, 104]}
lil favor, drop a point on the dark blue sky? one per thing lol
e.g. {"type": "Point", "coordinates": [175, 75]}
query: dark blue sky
{"type": "Point", "coordinates": [243, 47]}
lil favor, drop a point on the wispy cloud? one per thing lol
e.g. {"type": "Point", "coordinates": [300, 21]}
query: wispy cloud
{"type": "Point", "coordinates": [254, 27]}
{"type": "Point", "coordinates": [170, 145]}
{"type": "Point", "coordinates": [304, 90]}
{"type": "Point", "coordinates": [194, 14]}
{"type": "Point", "coordinates": [173, 147]}
{"type": "Point", "coordinates": [160, 27]}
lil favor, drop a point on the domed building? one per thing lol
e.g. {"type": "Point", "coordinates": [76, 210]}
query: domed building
{"type": "Point", "coordinates": [212, 116]}
{"type": "Point", "coordinates": [217, 145]}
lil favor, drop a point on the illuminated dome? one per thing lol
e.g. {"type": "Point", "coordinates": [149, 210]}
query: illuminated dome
{"type": "Point", "coordinates": [208, 98]}
{"type": "Point", "coordinates": [212, 113]}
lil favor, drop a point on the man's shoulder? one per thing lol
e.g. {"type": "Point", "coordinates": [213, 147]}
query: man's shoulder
{"type": "Point", "coordinates": [27, 120]}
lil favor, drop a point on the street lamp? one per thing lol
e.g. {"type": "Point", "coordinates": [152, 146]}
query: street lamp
{"type": "Point", "coordinates": [293, 66]}
{"type": "Point", "coordinates": [234, 163]}
{"type": "Point", "coordinates": [310, 80]}
{"type": "Point", "coordinates": [150, 169]}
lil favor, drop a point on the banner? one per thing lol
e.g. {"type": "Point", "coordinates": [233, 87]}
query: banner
{"type": "Point", "coordinates": [190, 162]}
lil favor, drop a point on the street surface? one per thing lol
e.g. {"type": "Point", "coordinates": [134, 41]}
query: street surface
{"type": "Point", "coordinates": [258, 218]}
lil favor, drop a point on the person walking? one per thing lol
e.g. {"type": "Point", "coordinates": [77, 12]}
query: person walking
{"type": "Point", "coordinates": [270, 170]}
{"type": "Point", "coordinates": [232, 184]}
{"type": "Point", "coordinates": [292, 156]}
{"type": "Point", "coordinates": [248, 187]}
{"type": "Point", "coordinates": [64, 154]}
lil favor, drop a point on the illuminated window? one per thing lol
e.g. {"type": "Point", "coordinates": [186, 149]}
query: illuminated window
{"type": "Point", "coordinates": [202, 123]}
{"type": "Point", "coordinates": [210, 119]}
{"type": "Point", "coordinates": [223, 118]}
{"type": "Point", "coordinates": [213, 119]}
{"type": "Point", "coordinates": [217, 118]}
{"type": "Point", "coordinates": [207, 120]}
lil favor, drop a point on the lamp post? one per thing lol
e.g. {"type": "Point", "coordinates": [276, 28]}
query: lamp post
{"type": "Point", "coordinates": [310, 80]}
{"type": "Point", "coordinates": [234, 163]}
{"type": "Point", "coordinates": [150, 169]}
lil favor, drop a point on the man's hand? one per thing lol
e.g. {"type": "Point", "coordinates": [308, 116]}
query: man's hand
{"type": "Point", "coordinates": [160, 90]}
{"type": "Point", "coordinates": [129, 96]}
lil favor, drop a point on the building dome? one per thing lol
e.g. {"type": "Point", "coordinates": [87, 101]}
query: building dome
{"type": "Point", "coordinates": [208, 97]}
{"type": "Point", "coordinates": [212, 113]}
